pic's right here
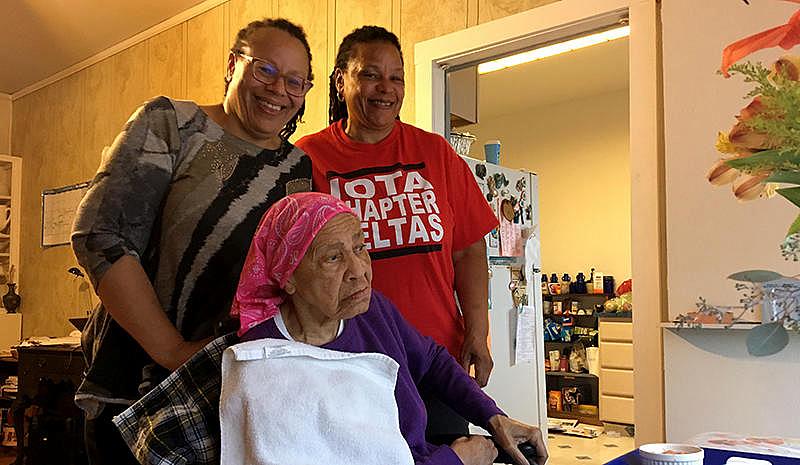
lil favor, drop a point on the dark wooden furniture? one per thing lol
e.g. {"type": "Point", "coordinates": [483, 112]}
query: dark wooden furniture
{"type": "Point", "coordinates": [8, 367]}
{"type": "Point", "coordinates": [49, 425]}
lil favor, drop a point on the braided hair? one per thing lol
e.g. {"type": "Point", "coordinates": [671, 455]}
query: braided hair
{"type": "Point", "coordinates": [364, 35]}
{"type": "Point", "coordinates": [296, 31]}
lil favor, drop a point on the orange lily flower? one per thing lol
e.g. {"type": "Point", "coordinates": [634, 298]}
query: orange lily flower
{"type": "Point", "coordinates": [786, 36]}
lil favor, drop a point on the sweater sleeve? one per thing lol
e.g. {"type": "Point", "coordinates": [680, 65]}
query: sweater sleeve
{"type": "Point", "coordinates": [443, 455]}
{"type": "Point", "coordinates": [432, 366]}
{"type": "Point", "coordinates": [117, 215]}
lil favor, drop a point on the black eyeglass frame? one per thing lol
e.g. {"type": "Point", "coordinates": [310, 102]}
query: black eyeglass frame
{"type": "Point", "coordinates": [307, 85]}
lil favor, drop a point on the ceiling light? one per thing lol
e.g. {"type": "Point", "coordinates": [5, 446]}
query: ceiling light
{"type": "Point", "coordinates": [554, 49]}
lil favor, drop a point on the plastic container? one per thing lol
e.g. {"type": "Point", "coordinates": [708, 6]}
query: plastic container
{"type": "Point", "coordinates": [670, 454]}
{"type": "Point", "coordinates": [593, 360]}
{"type": "Point", "coordinates": [491, 150]}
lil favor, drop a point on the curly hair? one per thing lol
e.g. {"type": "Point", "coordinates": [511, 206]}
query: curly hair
{"type": "Point", "coordinates": [296, 31]}
{"type": "Point", "coordinates": [364, 35]}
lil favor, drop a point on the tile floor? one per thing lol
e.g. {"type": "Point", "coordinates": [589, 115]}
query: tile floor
{"type": "Point", "coordinates": [569, 450]}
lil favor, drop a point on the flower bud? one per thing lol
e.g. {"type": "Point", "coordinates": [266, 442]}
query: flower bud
{"type": "Point", "coordinates": [749, 186]}
{"type": "Point", "coordinates": [721, 174]}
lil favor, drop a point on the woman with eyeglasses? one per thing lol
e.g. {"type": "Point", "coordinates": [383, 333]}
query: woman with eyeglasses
{"type": "Point", "coordinates": [423, 215]}
{"type": "Point", "coordinates": [165, 226]}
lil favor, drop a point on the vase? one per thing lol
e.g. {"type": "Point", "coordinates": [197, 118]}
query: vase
{"type": "Point", "coordinates": [782, 302]}
{"type": "Point", "coordinates": [11, 300]}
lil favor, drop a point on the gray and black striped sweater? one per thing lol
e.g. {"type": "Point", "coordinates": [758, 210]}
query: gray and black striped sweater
{"type": "Point", "coordinates": [185, 197]}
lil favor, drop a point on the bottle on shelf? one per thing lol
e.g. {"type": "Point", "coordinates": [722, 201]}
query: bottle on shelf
{"type": "Point", "coordinates": [563, 364]}
{"type": "Point", "coordinates": [554, 285]}
{"type": "Point", "coordinates": [608, 284]}
{"type": "Point", "coordinates": [565, 280]}
{"type": "Point", "coordinates": [579, 285]}
{"type": "Point", "coordinates": [545, 288]}
{"type": "Point", "coordinates": [597, 282]}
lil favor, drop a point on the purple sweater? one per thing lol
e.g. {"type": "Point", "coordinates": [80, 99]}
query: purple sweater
{"type": "Point", "coordinates": [423, 363]}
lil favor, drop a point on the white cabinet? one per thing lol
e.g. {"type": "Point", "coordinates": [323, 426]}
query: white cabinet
{"type": "Point", "coordinates": [616, 370]}
{"type": "Point", "coordinates": [462, 86]}
{"type": "Point", "coordinates": [10, 193]}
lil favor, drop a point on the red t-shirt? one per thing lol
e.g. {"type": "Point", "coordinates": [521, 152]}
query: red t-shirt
{"type": "Point", "coordinates": [418, 202]}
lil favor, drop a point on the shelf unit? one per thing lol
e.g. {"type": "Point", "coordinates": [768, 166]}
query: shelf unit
{"type": "Point", "coordinates": [569, 296]}
{"type": "Point", "coordinates": [587, 383]}
{"type": "Point", "coordinates": [568, 374]}
{"type": "Point", "coordinates": [10, 196]}
{"type": "Point", "coordinates": [590, 419]}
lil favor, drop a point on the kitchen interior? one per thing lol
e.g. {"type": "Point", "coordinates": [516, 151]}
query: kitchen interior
{"type": "Point", "coordinates": [565, 119]}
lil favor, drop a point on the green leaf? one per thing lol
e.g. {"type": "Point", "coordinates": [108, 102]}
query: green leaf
{"type": "Point", "coordinates": [767, 339]}
{"type": "Point", "coordinates": [755, 276]}
{"type": "Point", "coordinates": [788, 177]}
{"type": "Point", "coordinates": [795, 227]}
{"type": "Point", "coordinates": [775, 159]}
{"type": "Point", "coordinates": [792, 194]}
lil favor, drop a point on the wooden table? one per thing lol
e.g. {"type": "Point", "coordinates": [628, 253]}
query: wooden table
{"type": "Point", "coordinates": [51, 429]}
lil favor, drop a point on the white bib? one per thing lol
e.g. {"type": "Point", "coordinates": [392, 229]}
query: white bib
{"type": "Point", "coordinates": [289, 403]}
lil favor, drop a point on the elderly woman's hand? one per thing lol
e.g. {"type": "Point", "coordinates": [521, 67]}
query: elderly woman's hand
{"type": "Point", "coordinates": [475, 450]}
{"type": "Point", "coordinates": [509, 433]}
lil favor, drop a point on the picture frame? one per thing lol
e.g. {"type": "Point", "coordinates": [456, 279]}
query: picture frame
{"type": "Point", "coordinates": [58, 212]}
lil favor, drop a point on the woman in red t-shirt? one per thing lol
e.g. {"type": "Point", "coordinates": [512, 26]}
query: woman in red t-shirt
{"type": "Point", "coordinates": [423, 215]}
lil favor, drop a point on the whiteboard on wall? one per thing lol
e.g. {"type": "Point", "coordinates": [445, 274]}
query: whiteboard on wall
{"type": "Point", "coordinates": [58, 212]}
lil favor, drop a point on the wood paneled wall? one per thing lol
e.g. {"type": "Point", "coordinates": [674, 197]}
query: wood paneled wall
{"type": "Point", "coordinates": [60, 130]}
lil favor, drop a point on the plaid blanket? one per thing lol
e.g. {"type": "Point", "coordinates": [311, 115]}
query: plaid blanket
{"type": "Point", "coordinates": [177, 423]}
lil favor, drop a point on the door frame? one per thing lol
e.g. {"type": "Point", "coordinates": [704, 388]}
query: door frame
{"type": "Point", "coordinates": [648, 263]}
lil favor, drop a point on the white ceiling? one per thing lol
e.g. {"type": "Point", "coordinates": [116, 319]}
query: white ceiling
{"type": "Point", "coordinates": [570, 76]}
{"type": "Point", "coordinates": [42, 37]}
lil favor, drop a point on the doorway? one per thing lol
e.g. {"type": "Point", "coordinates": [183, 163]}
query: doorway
{"type": "Point", "coordinates": [546, 25]}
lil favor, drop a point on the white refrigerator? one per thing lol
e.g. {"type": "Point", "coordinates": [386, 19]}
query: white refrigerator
{"type": "Point", "coordinates": [516, 331]}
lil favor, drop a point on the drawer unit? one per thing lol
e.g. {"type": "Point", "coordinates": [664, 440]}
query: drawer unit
{"type": "Point", "coordinates": [618, 331]}
{"type": "Point", "coordinates": [616, 355]}
{"type": "Point", "coordinates": [616, 382]}
{"type": "Point", "coordinates": [616, 409]}
{"type": "Point", "coordinates": [616, 369]}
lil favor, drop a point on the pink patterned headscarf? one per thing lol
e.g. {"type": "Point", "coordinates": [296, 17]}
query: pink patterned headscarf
{"type": "Point", "coordinates": [281, 240]}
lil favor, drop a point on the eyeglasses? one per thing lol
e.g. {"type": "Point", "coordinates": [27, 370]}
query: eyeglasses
{"type": "Point", "coordinates": [267, 73]}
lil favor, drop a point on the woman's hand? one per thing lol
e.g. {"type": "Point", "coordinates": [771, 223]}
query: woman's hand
{"type": "Point", "coordinates": [510, 433]}
{"type": "Point", "coordinates": [475, 353]}
{"type": "Point", "coordinates": [475, 450]}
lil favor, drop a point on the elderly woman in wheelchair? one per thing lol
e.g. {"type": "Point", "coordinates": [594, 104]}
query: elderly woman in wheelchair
{"type": "Point", "coordinates": [323, 370]}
